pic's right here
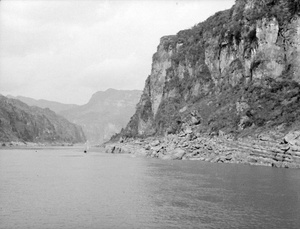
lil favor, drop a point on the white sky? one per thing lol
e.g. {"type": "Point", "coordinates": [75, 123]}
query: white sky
{"type": "Point", "coordinates": [67, 50]}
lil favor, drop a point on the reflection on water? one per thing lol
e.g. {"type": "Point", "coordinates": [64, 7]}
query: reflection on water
{"type": "Point", "coordinates": [68, 189]}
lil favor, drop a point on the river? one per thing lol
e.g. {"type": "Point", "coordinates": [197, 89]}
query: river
{"type": "Point", "coordinates": [65, 188]}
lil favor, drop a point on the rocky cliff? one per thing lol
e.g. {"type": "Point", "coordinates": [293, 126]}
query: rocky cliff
{"type": "Point", "coordinates": [238, 70]}
{"type": "Point", "coordinates": [22, 123]}
{"type": "Point", "coordinates": [236, 75]}
{"type": "Point", "coordinates": [105, 114]}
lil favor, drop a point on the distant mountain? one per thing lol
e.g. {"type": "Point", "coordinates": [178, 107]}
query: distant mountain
{"type": "Point", "coordinates": [105, 114]}
{"type": "Point", "coordinates": [20, 122]}
{"type": "Point", "coordinates": [55, 106]}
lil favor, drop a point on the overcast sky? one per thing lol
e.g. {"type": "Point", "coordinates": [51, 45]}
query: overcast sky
{"type": "Point", "coordinates": [67, 50]}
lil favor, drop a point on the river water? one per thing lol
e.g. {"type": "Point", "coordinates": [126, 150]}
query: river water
{"type": "Point", "coordinates": [64, 188]}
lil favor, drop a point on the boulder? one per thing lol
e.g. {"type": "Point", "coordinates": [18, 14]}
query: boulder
{"type": "Point", "coordinates": [284, 147]}
{"type": "Point", "coordinates": [251, 160]}
{"type": "Point", "coordinates": [170, 147]}
{"type": "Point", "coordinates": [177, 154]}
{"type": "Point", "coordinates": [156, 148]}
{"type": "Point", "coordinates": [293, 138]}
{"type": "Point", "coordinates": [295, 148]}
{"type": "Point", "coordinates": [265, 137]}
{"type": "Point", "coordinates": [155, 143]}
{"type": "Point", "coordinates": [125, 150]}
{"type": "Point", "coordinates": [188, 130]}
{"type": "Point", "coordinates": [109, 149]}
{"type": "Point", "coordinates": [277, 164]}
{"type": "Point", "coordinates": [166, 157]}
{"type": "Point", "coordinates": [161, 155]}
{"type": "Point", "coordinates": [141, 152]}
{"type": "Point", "coordinates": [117, 150]}
{"type": "Point", "coordinates": [215, 160]}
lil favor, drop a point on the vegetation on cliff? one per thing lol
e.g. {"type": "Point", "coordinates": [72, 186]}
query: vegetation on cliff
{"type": "Point", "coordinates": [20, 122]}
{"type": "Point", "coordinates": [236, 73]}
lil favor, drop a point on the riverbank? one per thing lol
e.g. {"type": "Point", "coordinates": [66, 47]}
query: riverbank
{"type": "Point", "coordinates": [284, 153]}
{"type": "Point", "coordinates": [34, 144]}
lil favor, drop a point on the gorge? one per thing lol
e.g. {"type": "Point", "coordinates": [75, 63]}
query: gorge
{"type": "Point", "coordinates": [104, 115]}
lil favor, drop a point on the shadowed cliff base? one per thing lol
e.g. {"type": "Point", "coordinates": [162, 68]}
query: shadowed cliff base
{"type": "Point", "coordinates": [235, 76]}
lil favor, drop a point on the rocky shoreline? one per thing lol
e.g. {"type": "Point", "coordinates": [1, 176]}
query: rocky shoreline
{"type": "Point", "coordinates": [283, 153]}
{"type": "Point", "coordinates": [33, 144]}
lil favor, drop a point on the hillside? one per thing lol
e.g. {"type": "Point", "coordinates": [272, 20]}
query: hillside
{"type": "Point", "coordinates": [22, 123]}
{"type": "Point", "coordinates": [54, 106]}
{"type": "Point", "coordinates": [105, 114]}
{"type": "Point", "coordinates": [234, 76]}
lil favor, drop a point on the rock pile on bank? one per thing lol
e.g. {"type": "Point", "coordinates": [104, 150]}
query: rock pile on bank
{"type": "Point", "coordinates": [283, 153]}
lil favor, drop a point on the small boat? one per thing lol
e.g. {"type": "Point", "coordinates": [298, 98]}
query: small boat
{"type": "Point", "coordinates": [87, 146]}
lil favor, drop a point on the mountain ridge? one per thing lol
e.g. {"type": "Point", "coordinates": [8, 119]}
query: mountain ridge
{"type": "Point", "coordinates": [43, 103]}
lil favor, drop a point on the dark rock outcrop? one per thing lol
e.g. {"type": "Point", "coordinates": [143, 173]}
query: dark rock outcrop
{"type": "Point", "coordinates": [236, 75]}
{"type": "Point", "coordinates": [22, 123]}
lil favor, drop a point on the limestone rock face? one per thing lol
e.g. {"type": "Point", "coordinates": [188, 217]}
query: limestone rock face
{"type": "Point", "coordinates": [22, 123]}
{"type": "Point", "coordinates": [238, 72]}
{"type": "Point", "coordinates": [161, 62]}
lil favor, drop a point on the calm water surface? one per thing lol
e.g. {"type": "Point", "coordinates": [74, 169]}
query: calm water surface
{"type": "Point", "coordinates": [64, 188]}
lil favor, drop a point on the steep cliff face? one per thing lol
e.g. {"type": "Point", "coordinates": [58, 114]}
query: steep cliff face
{"type": "Point", "coordinates": [238, 72]}
{"type": "Point", "coordinates": [20, 122]}
{"type": "Point", "coordinates": [105, 114]}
